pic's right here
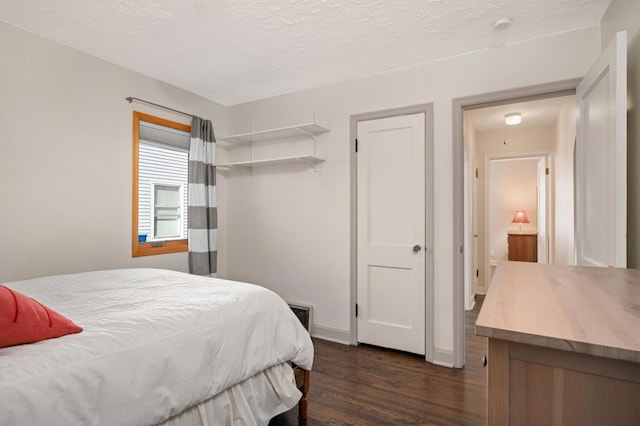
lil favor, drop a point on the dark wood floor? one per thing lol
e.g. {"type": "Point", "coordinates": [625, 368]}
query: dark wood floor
{"type": "Point", "coordinates": [370, 386]}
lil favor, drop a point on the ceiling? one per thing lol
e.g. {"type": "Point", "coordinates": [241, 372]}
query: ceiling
{"type": "Point", "coordinates": [233, 51]}
{"type": "Point", "coordinates": [537, 113]}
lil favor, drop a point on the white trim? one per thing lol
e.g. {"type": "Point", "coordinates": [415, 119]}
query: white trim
{"type": "Point", "coordinates": [443, 357]}
{"type": "Point", "coordinates": [473, 304]}
{"type": "Point", "coordinates": [331, 334]}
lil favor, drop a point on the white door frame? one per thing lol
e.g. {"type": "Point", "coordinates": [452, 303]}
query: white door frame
{"type": "Point", "coordinates": [427, 109]}
{"type": "Point", "coordinates": [470, 214]}
{"type": "Point", "coordinates": [547, 90]}
{"type": "Point", "coordinates": [546, 210]}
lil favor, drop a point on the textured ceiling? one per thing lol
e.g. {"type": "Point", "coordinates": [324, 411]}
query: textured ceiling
{"type": "Point", "coordinates": [233, 51]}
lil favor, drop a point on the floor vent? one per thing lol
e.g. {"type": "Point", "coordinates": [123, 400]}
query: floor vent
{"type": "Point", "coordinates": [303, 313]}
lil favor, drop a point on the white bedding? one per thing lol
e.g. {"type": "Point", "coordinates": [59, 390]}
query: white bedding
{"type": "Point", "coordinates": [239, 406]}
{"type": "Point", "coordinates": [154, 343]}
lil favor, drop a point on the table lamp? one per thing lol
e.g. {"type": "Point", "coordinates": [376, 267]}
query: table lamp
{"type": "Point", "coordinates": [520, 217]}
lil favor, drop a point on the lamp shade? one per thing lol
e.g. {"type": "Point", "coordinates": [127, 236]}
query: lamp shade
{"type": "Point", "coordinates": [520, 217]}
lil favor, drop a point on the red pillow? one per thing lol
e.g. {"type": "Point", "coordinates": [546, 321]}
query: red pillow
{"type": "Point", "coordinates": [25, 320]}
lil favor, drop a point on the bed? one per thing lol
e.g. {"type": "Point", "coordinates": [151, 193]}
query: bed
{"type": "Point", "coordinates": [157, 347]}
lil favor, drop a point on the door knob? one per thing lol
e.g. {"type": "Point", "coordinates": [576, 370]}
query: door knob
{"type": "Point", "coordinates": [417, 248]}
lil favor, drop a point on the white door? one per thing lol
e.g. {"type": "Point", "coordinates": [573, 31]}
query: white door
{"type": "Point", "coordinates": [391, 232]}
{"type": "Point", "coordinates": [601, 160]}
{"type": "Point", "coordinates": [542, 211]}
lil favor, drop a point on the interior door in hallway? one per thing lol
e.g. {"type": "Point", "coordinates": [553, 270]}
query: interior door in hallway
{"type": "Point", "coordinates": [391, 232]}
{"type": "Point", "coordinates": [543, 210]}
{"type": "Point", "coordinates": [601, 160]}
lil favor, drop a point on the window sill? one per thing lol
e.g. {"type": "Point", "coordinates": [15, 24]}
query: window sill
{"type": "Point", "coordinates": [158, 247]}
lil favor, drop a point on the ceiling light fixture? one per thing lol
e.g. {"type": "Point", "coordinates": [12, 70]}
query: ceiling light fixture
{"type": "Point", "coordinates": [513, 118]}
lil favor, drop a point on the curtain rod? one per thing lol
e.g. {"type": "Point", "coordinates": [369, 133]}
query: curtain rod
{"type": "Point", "coordinates": [131, 99]}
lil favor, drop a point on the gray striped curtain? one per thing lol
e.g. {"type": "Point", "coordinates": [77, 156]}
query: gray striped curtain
{"type": "Point", "coordinates": [203, 213]}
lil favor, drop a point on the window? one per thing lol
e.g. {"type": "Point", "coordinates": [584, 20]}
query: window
{"type": "Point", "coordinates": [167, 208]}
{"type": "Point", "coordinates": [160, 183]}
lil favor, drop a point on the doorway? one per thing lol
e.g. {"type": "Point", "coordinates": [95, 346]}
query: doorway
{"type": "Point", "coordinates": [520, 167]}
{"type": "Point", "coordinates": [462, 230]}
{"type": "Point", "coordinates": [517, 208]}
{"type": "Point", "coordinates": [603, 88]}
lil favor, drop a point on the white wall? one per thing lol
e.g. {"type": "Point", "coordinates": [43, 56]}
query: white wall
{"type": "Point", "coordinates": [65, 157]}
{"type": "Point", "coordinates": [564, 183]}
{"type": "Point", "coordinates": [68, 208]}
{"type": "Point", "coordinates": [513, 186]}
{"type": "Point", "coordinates": [625, 15]}
{"type": "Point", "coordinates": [290, 225]}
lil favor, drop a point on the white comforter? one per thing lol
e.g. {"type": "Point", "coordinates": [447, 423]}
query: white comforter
{"type": "Point", "coordinates": [154, 343]}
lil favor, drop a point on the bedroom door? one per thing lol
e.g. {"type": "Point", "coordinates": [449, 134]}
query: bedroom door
{"type": "Point", "coordinates": [391, 232]}
{"type": "Point", "coordinates": [601, 160]}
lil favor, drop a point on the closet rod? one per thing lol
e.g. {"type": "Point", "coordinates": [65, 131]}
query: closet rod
{"type": "Point", "coordinates": [131, 99]}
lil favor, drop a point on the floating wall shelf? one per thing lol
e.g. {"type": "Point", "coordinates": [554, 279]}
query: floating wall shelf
{"type": "Point", "coordinates": [309, 130]}
{"type": "Point", "coordinates": [273, 161]}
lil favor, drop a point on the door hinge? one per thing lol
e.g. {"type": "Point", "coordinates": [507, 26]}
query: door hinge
{"type": "Point", "coordinates": [546, 171]}
{"type": "Point", "coordinates": [356, 310]}
{"type": "Point", "coordinates": [476, 172]}
{"type": "Point", "coordinates": [356, 144]}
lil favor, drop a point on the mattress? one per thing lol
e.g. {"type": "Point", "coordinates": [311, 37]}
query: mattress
{"type": "Point", "coordinates": [155, 344]}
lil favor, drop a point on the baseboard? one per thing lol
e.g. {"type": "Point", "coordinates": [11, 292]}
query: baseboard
{"type": "Point", "coordinates": [443, 357]}
{"type": "Point", "coordinates": [473, 304]}
{"type": "Point", "coordinates": [331, 334]}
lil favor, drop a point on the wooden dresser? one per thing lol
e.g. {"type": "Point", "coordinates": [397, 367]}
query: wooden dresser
{"type": "Point", "coordinates": [523, 246]}
{"type": "Point", "coordinates": [563, 345]}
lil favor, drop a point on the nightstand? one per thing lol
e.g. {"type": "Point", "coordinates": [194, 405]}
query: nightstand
{"type": "Point", "coordinates": [523, 246]}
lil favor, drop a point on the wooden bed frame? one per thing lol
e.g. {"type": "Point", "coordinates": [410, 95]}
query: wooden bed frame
{"type": "Point", "coordinates": [302, 381]}
{"type": "Point", "coordinates": [302, 376]}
